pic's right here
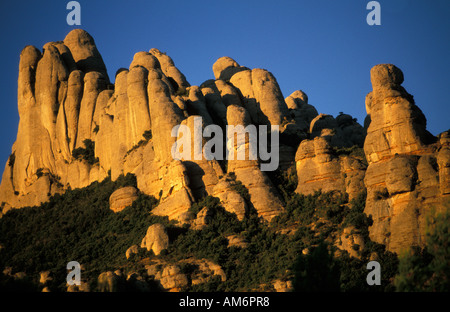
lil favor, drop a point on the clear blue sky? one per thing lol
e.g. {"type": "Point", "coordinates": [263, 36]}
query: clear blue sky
{"type": "Point", "coordinates": [323, 47]}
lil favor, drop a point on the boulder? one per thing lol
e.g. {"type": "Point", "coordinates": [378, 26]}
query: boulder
{"type": "Point", "coordinates": [156, 239]}
{"type": "Point", "coordinates": [172, 278]}
{"type": "Point", "coordinates": [282, 286]}
{"type": "Point", "coordinates": [84, 52]}
{"type": "Point", "coordinates": [302, 112]}
{"type": "Point", "coordinates": [109, 282]}
{"type": "Point", "coordinates": [204, 217]}
{"type": "Point", "coordinates": [352, 241]}
{"type": "Point", "coordinates": [230, 199]}
{"type": "Point", "coordinates": [122, 198]}
{"type": "Point", "coordinates": [45, 277]}
{"type": "Point", "coordinates": [225, 67]}
{"type": "Point", "coordinates": [133, 250]}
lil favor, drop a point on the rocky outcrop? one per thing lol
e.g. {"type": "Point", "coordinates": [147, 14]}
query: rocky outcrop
{"type": "Point", "coordinates": [231, 200]}
{"type": "Point", "coordinates": [57, 91]}
{"type": "Point", "coordinates": [321, 167]}
{"type": "Point", "coordinates": [352, 241]}
{"type": "Point", "coordinates": [68, 107]}
{"type": "Point", "coordinates": [172, 277]}
{"type": "Point", "coordinates": [225, 67]}
{"type": "Point", "coordinates": [133, 250]}
{"type": "Point", "coordinates": [443, 161]}
{"type": "Point", "coordinates": [156, 239]}
{"type": "Point", "coordinates": [283, 286]}
{"type": "Point", "coordinates": [403, 176]}
{"type": "Point", "coordinates": [236, 241]}
{"type": "Point", "coordinates": [122, 198]}
{"type": "Point", "coordinates": [344, 131]}
{"type": "Point", "coordinates": [109, 282]}
{"type": "Point", "coordinates": [302, 112]}
{"type": "Point", "coordinates": [82, 48]}
{"type": "Point", "coordinates": [262, 193]}
{"type": "Point", "coordinates": [397, 125]}
{"type": "Point", "coordinates": [169, 69]}
{"type": "Point", "coordinates": [261, 95]}
{"type": "Point", "coordinates": [328, 160]}
{"type": "Point", "coordinates": [76, 128]}
{"type": "Point", "coordinates": [203, 218]}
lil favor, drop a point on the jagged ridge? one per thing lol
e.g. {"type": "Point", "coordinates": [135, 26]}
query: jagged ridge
{"type": "Point", "coordinates": [66, 102]}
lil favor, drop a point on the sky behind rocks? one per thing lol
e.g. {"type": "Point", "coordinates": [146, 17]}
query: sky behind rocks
{"type": "Point", "coordinates": [323, 47]}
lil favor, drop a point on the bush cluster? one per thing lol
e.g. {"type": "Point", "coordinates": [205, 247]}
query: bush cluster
{"type": "Point", "coordinates": [75, 226]}
{"type": "Point", "coordinates": [79, 225]}
{"type": "Point", "coordinates": [87, 153]}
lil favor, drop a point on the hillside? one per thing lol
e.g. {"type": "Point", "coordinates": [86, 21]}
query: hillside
{"type": "Point", "coordinates": [103, 173]}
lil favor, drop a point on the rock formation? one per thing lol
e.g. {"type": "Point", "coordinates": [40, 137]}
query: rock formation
{"type": "Point", "coordinates": [122, 198]}
{"type": "Point", "coordinates": [57, 91]}
{"type": "Point", "coordinates": [321, 168]}
{"type": "Point", "coordinates": [326, 161]}
{"type": "Point", "coordinates": [302, 112]}
{"type": "Point", "coordinates": [171, 277]}
{"type": "Point", "coordinates": [406, 175]}
{"type": "Point", "coordinates": [76, 127]}
{"type": "Point", "coordinates": [156, 239]}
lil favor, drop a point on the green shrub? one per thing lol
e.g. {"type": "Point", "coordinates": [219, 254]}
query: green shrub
{"type": "Point", "coordinates": [428, 269]}
{"type": "Point", "coordinates": [285, 181]}
{"type": "Point", "coordinates": [318, 271]}
{"type": "Point", "coordinates": [12, 159]}
{"type": "Point", "coordinates": [182, 92]}
{"type": "Point", "coordinates": [354, 151]}
{"type": "Point", "coordinates": [147, 137]}
{"type": "Point", "coordinates": [77, 225]}
{"type": "Point", "coordinates": [87, 153]}
{"type": "Point", "coordinates": [356, 216]}
{"type": "Point", "coordinates": [39, 172]}
{"type": "Point", "coordinates": [242, 190]}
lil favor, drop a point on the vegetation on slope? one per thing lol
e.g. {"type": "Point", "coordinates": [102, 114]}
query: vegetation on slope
{"type": "Point", "coordinates": [79, 225]}
{"type": "Point", "coordinates": [75, 226]}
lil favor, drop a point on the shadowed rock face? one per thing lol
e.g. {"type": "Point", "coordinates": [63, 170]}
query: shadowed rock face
{"type": "Point", "coordinates": [84, 52]}
{"type": "Point", "coordinates": [225, 67]}
{"type": "Point", "coordinates": [68, 107]}
{"type": "Point", "coordinates": [262, 96]}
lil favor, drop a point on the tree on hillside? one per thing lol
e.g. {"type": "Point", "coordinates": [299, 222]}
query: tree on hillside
{"type": "Point", "coordinates": [428, 269]}
{"type": "Point", "coordinates": [317, 271]}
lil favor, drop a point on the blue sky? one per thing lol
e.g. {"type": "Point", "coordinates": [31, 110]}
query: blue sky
{"type": "Point", "coordinates": [323, 47]}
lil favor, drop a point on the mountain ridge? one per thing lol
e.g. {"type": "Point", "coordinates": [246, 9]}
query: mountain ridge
{"type": "Point", "coordinates": [77, 128]}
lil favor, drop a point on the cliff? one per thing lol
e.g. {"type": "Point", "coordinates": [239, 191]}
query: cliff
{"type": "Point", "coordinates": [76, 127]}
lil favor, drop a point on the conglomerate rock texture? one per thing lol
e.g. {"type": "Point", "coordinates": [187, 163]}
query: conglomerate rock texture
{"type": "Point", "coordinates": [407, 174]}
{"type": "Point", "coordinates": [76, 127]}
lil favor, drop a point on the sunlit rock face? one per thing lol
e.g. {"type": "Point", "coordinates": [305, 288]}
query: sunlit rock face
{"type": "Point", "coordinates": [405, 178]}
{"type": "Point", "coordinates": [76, 127]}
